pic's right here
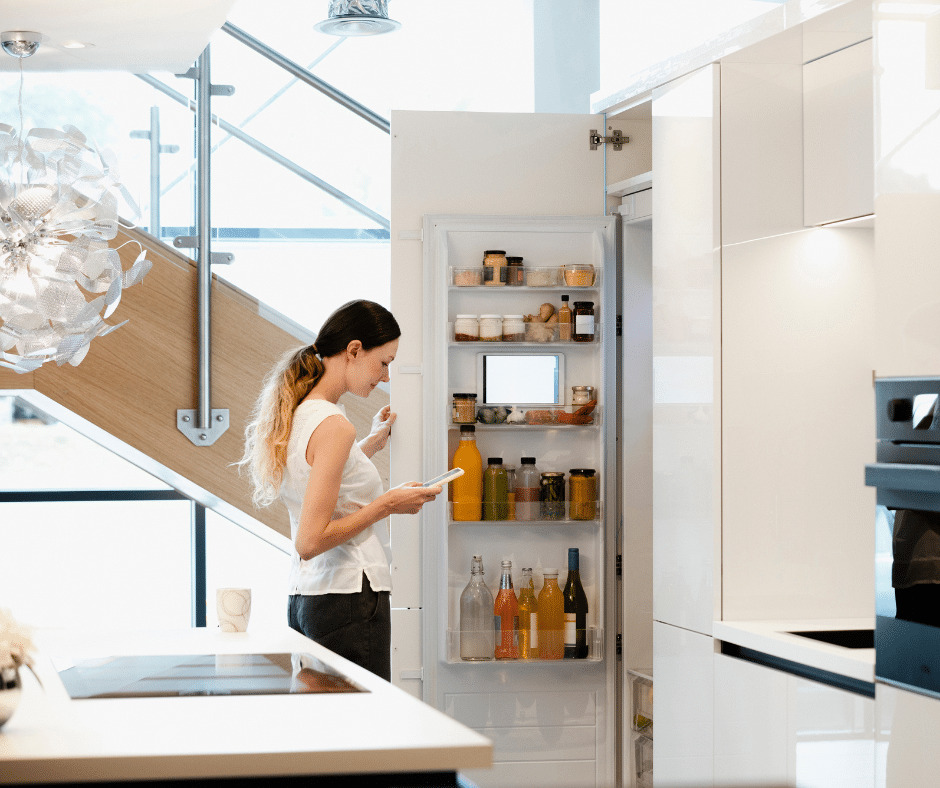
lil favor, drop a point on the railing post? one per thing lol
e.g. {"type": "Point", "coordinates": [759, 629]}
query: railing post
{"type": "Point", "coordinates": [156, 148]}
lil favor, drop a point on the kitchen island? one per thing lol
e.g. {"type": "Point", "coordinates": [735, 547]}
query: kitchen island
{"type": "Point", "coordinates": [378, 735]}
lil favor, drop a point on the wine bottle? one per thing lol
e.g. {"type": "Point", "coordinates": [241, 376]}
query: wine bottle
{"type": "Point", "coordinates": [576, 609]}
{"type": "Point", "coordinates": [528, 618]}
{"type": "Point", "coordinates": [477, 638]}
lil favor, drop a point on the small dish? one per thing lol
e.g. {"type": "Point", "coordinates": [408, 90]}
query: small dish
{"type": "Point", "coordinates": [578, 274]}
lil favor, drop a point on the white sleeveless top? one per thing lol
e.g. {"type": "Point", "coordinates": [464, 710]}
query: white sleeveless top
{"type": "Point", "coordinates": [337, 571]}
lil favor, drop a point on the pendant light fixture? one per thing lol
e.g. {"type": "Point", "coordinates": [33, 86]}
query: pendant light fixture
{"type": "Point", "coordinates": [357, 18]}
{"type": "Point", "coordinates": [59, 278]}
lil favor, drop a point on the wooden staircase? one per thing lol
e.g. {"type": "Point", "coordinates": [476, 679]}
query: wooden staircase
{"type": "Point", "coordinates": [126, 391]}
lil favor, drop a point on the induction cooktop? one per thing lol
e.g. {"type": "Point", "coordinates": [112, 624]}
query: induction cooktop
{"type": "Point", "coordinates": [200, 674]}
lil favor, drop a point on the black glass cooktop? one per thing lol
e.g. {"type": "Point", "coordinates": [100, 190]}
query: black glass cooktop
{"type": "Point", "coordinates": [201, 674]}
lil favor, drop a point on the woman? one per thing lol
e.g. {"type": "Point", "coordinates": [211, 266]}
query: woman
{"type": "Point", "coordinates": [301, 447]}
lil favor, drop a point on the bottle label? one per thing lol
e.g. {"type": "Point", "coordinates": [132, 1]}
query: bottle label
{"type": "Point", "coordinates": [533, 630]}
{"type": "Point", "coordinates": [571, 629]}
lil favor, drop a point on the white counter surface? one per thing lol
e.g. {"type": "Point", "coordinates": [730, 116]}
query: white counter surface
{"type": "Point", "coordinates": [54, 738]}
{"type": "Point", "coordinates": [774, 638]}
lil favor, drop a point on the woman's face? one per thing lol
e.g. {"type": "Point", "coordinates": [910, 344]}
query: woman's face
{"type": "Point", "coordinates": [368, 368]}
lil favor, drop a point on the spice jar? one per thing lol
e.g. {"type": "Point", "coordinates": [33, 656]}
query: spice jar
{"type": "Point", "coordinates": [514, 272]}
{"type": "Point", "coordinates": [582, 494]}
{"type": "Point", "coordinates": [494, 268]}
{"type": "Point", "coordinates": [466, 328]}
{"type": "Point", "coordinates": [491, 328]}
{"type": "Point", "coordinates": [583, 313]}
{"type": "Point", "coordinates": [581, 395]}
{"type": "Point", "coordinates": [464, 409]}
{"type": "Point", "coordinates": [513, 328]}
{"type": "Point", "coordinates": [552, 495]}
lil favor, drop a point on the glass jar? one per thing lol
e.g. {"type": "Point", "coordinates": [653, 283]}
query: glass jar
{"type": "Point", "coordinates": [513, 328]}
{"type": "Point", "coordinates": [464, 409]}
{"type": "Point", "coordinates": [491, 328]}
{"type": "Point", "coordinates": [581, 395]}
{"type": "Point", "coordinates": [514, 272]}
{"type": "Point", "coordinates": [552, 495]}
{"type": "Point", "coordinates": [466, 328]}
{"type": "Point", "coordinates": [579, 274]}
{"type": "Point", "coordinates": [494, 268]}
{"type": "Point", "coordinates": [583, 313]}
{"type": "Point", "coordinates": [582, 494]}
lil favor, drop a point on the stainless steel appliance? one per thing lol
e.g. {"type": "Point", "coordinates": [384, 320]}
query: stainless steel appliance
{"type": "Point", "coordinates": [907, 543]}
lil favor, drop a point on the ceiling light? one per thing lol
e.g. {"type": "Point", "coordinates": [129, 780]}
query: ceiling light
{"type": "Point", "coordinates": [357, 18]}
{"type": "Point", "coordinates": [59, 277]}
{"type": "Point", "coordinates": [75, 45]}
{"type": "Point", "coordinates": [20, 43]}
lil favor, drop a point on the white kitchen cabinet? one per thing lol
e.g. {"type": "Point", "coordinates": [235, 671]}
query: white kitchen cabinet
{"type": "Point", "coordinates": [907, 725]}
{"type": "Point", "coordinates": [774, 728]}
{"type": "Point", "coordinates": [838, 144]}
{"type": "Point", "coordinates": [686, 244]}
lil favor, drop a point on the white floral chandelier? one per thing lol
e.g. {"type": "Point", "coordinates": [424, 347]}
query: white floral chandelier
{"type": "Point", "coordinates": [59, 279]}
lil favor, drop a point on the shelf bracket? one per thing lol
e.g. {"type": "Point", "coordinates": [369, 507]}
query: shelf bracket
{"type": "Point", "coordinates": [616, 139]}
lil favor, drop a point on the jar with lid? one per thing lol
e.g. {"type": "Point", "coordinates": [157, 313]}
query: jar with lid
{"type": "Point", "coordinates": [466, 328]}
{"type": "Point", "coordinates": [583, 313]}
{"type": "Point", "coordinates": [552, 495]}
{"type": "Point", "coordinates": [464, 409]}
{"type": "Point", "coordinates": [494, 268]}
{"type": "Point", "coordinates": [514, 272]}
{"type": "Point", "coordinates": [491, 328]}
{"type": "Point", "coordinates": [582, 494]}
{"type": "Point", "coordinates": [581, 395]}
{"type": "Point", "coordinates": [513, 328]}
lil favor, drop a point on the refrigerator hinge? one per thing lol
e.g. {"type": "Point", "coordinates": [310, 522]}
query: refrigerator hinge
{"type": "Point", "coordinates": [619, 646]}
{"type": "Point", "coordinates": [619, 325]}
{"type": "Point", "coordinates": [616, 139]}
{"type": "Point", "coordinates": [619, 566]}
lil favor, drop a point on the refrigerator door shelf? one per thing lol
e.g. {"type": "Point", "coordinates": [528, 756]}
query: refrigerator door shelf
{"type": "Point", "coordinates": [595, 641]}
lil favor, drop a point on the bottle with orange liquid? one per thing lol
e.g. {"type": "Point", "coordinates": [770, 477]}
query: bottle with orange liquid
{"type": "Point", "coordinates": [528, 618]}
{"type": "Point", "coordinates": [467, 491]}
{"type": "Point", "coordinates": [551, 621]}
{"type": "Point", "coordinates": [506, 616]}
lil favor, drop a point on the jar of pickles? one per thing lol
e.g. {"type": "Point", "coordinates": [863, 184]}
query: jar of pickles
{"type": "Point", "coordinates": [552, 495]}
{"type": "Point", "coordinates": [582, 494]}
{"type": "Point", "coordinates": [494, 268]}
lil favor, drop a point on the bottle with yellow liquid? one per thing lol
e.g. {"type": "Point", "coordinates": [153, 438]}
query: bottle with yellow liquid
{"type": "Point", "coordinates": [528, 618]}
{"type": "Point", "coordinates": [467, 491]}
{"type": "Point", "coordinates": [551, 624]}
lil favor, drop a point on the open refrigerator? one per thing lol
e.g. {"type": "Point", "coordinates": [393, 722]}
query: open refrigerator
{"type": "Point", "coordinates": [464, 183]}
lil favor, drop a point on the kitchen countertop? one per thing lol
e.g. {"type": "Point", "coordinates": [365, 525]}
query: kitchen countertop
{"type": "Point", "coordinates": [52, 737]}
{"type": "Point", "coordinates": [774, 638]}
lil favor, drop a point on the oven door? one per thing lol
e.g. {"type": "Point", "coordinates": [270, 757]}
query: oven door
{"type": "Point", "coordinates": [907, 535]}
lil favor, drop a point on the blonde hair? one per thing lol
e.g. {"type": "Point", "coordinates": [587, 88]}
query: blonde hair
{"type": "Point", "coordinates": [292, 379]}
{"type": "Point", "coordinates": [268, 430]}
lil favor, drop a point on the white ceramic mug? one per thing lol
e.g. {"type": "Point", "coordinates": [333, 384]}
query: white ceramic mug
{"type": "Point", "coordinates": [233, 607]}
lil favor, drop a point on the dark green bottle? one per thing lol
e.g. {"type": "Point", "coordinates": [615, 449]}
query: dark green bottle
{"type": "Point", "coordinates": [576, 609]}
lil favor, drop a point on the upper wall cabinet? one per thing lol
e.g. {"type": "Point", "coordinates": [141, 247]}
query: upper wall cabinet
{"type": "Point", "coordinates": [838, 147]}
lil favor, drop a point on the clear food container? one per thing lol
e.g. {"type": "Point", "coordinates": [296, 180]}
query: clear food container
{"type": "Point", "coordinates": [541, 276]}
{"type": "Point", "coordinates": [578, 275]}
{"type": "Point", "coordinates": [468, 277]}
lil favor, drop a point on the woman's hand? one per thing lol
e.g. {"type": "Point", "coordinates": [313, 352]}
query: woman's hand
{"type": "Point", "coordinates": [410, 497]}
{"type": "Point", "coordinates": [381, 430]}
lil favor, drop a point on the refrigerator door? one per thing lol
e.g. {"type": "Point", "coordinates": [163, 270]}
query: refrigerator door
{"type": "Point", "coordinates": [463, 183]}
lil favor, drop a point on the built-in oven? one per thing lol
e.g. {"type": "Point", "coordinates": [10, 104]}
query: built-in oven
{"type": "Point", "coordinates": [907, 536]}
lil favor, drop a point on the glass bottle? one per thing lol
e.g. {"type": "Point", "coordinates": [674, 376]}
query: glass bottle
{"type": "Point", "coordinates": [511, 491]}
{"type": "Point", "coordinates": [576, 609]}
{"type": "Point", "coordinates": [564, 320]}
{"type": "Point", "coordinates": [506, 616]}
{"type": "Point", "coordinates": [583, 329]}
{"type": "Point", "coordinates": [551, 624]}
{"type": "Point", "coordinates": [528, 618]}
{"type": "Point", "coordinates": [495, 490]}
{"type": "Point", "coordinates": [527, 490]}
{"type": "Point", "coordinates": [477, 637]}
{"type": "Point", "coordinates": [467, 491]}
